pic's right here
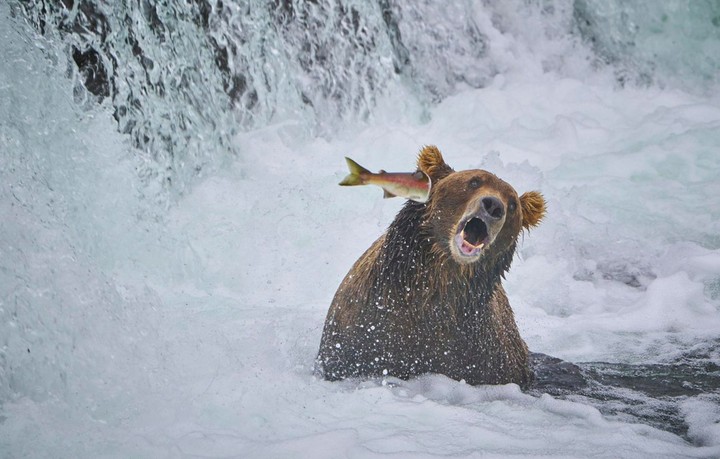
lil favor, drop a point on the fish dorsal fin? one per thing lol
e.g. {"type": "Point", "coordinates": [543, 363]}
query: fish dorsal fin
{"type": "Point", "coordinates": [381, 171]}
{"type": "Point", "coordinates": [387, 194]}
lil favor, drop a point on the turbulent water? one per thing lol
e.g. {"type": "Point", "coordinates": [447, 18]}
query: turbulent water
{"type": "Point", "coordinates": [171, 232]}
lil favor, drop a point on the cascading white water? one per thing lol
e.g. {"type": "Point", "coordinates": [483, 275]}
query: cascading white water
{"type": "Point", "coordinates": [171, 232]}
{"type": "Point", "coordinates": [674, 44]}
{"type": "Point", "coordinates": [183, 78]}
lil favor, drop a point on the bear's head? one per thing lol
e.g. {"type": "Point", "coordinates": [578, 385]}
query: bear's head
{"type": "Point", "coordinates": [472, 213]}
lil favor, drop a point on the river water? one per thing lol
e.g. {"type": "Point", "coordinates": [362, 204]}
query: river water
{"type": "Point", "coordinates": [172, 233]}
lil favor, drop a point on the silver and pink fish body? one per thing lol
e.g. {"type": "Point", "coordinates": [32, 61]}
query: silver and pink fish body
{"type": "Point", "coordinates": [411, 185]}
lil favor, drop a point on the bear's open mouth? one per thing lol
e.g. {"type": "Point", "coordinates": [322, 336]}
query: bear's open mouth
{"type": "Point", "coordinates": [473, 237]}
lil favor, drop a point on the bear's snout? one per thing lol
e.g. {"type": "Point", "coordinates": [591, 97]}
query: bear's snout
{"type": "Point", "coordinates": [477, 229]}
{"type": "Point", "coordinates": [494, 207]}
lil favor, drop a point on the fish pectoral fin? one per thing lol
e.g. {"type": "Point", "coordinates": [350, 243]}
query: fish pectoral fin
{"type": "Point", "coordinates": [387, 194]}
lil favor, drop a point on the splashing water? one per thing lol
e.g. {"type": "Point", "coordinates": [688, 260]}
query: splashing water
{"type": "Point", "coordinates": [171, 232]}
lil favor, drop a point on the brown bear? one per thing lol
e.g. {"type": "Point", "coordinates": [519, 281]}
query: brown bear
{"type": "Point", "coordinates": [427, 296]}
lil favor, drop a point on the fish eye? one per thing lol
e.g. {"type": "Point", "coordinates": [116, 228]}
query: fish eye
{"type": "Point", "coordinates": [512, 205]}
{"type": "Point", "coordinates": [475, 183]}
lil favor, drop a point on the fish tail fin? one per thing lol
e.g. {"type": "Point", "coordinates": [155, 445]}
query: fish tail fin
{"type": "Point", "coordinates": [354, 178]}
{"type": "Point", "coordinates": [388, 195]}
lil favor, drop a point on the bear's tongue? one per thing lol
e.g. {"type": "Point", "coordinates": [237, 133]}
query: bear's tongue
{"type": "Point", "coordinates": [469, 249]}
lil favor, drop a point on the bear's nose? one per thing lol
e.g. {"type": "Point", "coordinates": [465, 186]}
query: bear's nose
{"type": "Point", "coordinates": [494, 207]}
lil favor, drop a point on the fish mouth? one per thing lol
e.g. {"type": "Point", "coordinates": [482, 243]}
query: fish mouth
{"type": "Point", "coordinates": [471, 238]}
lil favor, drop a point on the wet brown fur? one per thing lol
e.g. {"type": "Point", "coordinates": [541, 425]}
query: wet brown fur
{"type": "Point", "coordinates": [407, 307]}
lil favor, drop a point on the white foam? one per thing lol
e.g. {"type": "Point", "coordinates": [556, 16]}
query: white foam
{"type": "Point", "coordinates": [196, 335]}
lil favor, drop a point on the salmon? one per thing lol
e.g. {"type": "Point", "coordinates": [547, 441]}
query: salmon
{"type": "Point", "coordinates": [410, 185]}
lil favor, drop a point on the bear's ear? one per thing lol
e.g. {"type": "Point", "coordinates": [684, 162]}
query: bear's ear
{"type": "Point", "coordinates": [431, 162]}
{"type": "Point", "coordinates": [532, 204]}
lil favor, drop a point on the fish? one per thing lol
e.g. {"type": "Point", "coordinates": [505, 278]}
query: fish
{"type": "Point", "coordinates": [411, 185]}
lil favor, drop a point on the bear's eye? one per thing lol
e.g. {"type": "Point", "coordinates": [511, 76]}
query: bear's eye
{"type": "Point", "coordinates": [512, 205]}
{"type": "Point", "coordinates": [475, 183]}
